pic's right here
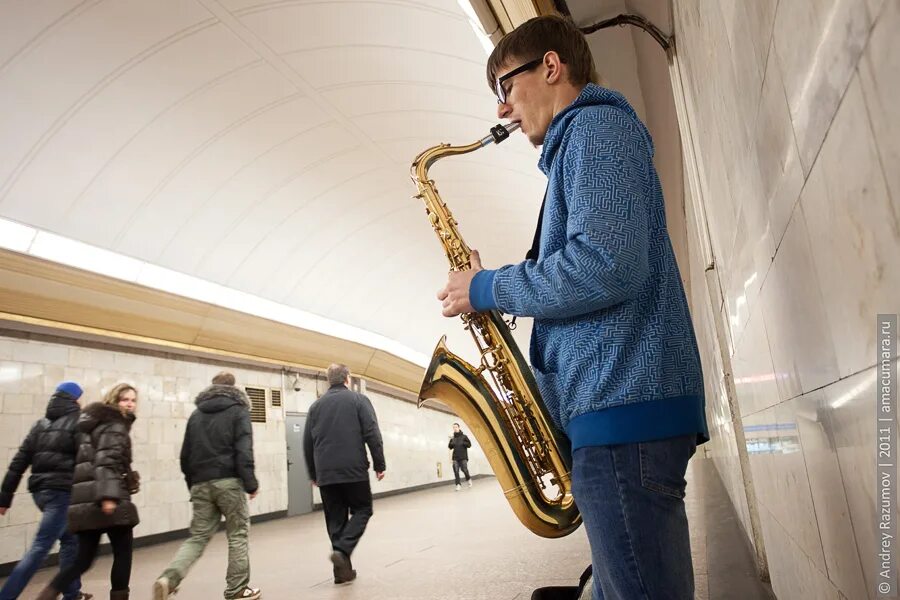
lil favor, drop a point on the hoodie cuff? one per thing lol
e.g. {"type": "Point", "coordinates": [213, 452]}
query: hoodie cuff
{"type": "Point", "coordinates": [481, 291]}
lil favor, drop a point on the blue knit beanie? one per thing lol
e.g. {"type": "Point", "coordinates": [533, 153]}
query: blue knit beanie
{"type": "Point", "coordinates": [71, 388]}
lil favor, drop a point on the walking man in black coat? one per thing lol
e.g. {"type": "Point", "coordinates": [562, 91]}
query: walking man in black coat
{"type": "Point", "coordinates": [339, 426]}
{"type": "Point", "coordinates": [49, 449]}
{"type": "Point", "coordinates": [217, 462]}
{"type": "Point", "coordinates": [460, 444]}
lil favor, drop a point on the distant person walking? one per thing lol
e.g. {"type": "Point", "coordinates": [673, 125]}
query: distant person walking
{"type": "Point", "coordinates": [460, 444]}
{"type": "Point", "coordinates": [339, 426]}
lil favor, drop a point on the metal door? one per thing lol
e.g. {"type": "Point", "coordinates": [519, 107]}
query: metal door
{"type": "Point", "coordinates": [300, 497]}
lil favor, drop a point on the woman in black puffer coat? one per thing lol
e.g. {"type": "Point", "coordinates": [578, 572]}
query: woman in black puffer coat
{"type": "Point", "coordinates": [101, 495]}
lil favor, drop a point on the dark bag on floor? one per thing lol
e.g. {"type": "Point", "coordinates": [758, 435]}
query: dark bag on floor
{"type": "Point", "coordinates": [568, 592]}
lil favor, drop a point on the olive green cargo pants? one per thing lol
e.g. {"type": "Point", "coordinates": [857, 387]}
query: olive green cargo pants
{"type": "Point", "coordinates": [211, 500]}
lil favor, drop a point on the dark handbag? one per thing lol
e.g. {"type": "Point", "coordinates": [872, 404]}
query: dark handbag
{"type": "Point", "coordinates": [132, 481]}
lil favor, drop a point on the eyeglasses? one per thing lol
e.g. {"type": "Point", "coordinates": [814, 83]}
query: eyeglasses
{"type": "Point", "coordinates": [501, 91]}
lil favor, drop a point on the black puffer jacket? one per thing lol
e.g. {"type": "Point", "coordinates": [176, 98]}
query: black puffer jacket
{"type": "Point", "coordinates": [104, 459]}
{"type": "Point", "coordinates": [460, 443]}
{"type": "Point", "coordinates": [218, 442]}
{"type": "Point", "coordinates": [49, 449]}
{"type": "Point", "coordinates": [339, 426]}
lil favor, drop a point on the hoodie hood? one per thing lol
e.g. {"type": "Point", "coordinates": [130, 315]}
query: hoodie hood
{"type": "Point", "coordinates": [217, 398]}
{"type": "Point", "coordinates": [60, 405]}
{"type": "Point", "coordinates": [97, 413]}
{"type": "Point", "coordinates": [592, 95]}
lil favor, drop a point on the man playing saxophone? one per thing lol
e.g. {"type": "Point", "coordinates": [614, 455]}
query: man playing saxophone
{"type": "Point", "coordinates": [613, 347]}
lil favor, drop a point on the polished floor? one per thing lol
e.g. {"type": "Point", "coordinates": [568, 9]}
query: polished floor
{"type": "Point", "coordinates": [441, 544]}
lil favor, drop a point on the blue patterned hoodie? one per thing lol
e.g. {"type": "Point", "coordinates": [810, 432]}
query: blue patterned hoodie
{"type": "Point", "coordinates": [613, 347]}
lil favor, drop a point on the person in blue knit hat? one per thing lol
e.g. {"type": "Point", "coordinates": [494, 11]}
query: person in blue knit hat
{"type": "Point", "coordinates": [613, 347]}
{"type": "Point", "coordinates": [49, 449]}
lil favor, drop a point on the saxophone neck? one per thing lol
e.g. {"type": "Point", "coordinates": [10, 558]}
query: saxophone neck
{"type": "Point", "coordinates": [423, 162]}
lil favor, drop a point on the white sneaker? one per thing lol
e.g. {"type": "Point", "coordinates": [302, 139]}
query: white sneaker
{"type": "Point", "coordinates": [470, 483]}
{"type": "Point", "coordinates": [458, 487]}
{"type": "Point", "coordinates": [162, 589]}
{"type": "Point", "coordinates": [248, 593]}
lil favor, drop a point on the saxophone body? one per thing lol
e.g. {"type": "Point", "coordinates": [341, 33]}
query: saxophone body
{"type": "Point", "coordinates": [498, 400]}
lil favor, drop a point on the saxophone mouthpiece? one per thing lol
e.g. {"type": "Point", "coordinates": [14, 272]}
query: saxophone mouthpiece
{"type": "Point", "coordinates": [499, 133]}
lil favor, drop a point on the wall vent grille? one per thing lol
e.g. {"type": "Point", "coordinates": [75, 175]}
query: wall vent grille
{"type": "Point", "coordinates": [257, 404]}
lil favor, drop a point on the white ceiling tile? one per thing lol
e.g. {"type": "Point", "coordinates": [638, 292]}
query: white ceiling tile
{"type": "Point", "coordinates": [389, 96]}
{"type": "Point", "coordinates": [381, 126]}
{"type": "Point", "coordinates": [327, 67]}
{"type": "Point", "coordinates": [24, 24]}
{"type": "Point", "coordinates": [314, 201]}
{"type": "Point", "coordinates": [85, 149]}
{"type": "Point", "coordinates": [42, 89]}
{"type": "Point", "coordinates": [207, 163]}
{"type": "Point", "coordinates": [222, 224]}
{"type": "Point", "coordinates": [124, 188]}
{"type": "Point", "coordinates": [292, 27]}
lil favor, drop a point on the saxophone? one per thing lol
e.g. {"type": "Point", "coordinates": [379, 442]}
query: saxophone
{"type": "Point", "coordinates": [529, 456]}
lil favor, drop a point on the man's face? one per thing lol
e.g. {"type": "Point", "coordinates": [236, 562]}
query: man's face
{"type": "Point", "coordinates": [528, 101]}
{"type": "Point", "coordinates": [456, 429]}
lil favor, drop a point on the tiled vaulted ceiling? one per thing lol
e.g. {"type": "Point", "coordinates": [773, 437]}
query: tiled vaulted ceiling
{"type": "Point", "coordinates": [263, 145]}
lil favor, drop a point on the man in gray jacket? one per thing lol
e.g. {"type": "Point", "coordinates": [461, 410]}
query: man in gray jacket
{"type": "Point", "coordinates": [339, 426]}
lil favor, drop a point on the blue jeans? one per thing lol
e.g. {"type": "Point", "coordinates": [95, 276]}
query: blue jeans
{"type": "Point", "coordinates": [54, 505]}
{"type": "Point", "coordinates": [631, 497]}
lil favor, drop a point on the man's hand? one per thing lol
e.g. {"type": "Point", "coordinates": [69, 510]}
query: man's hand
{"type": "Point", "coordinates": [108, 506]}
{"type": "Point", "coordinates": [379, 475]}
{"type": "Point", "coordinates": [254, 494]}
{"type": "Point", "coordinates": [315, 484]}
{"type": "Point", "coordinates": [455, 295]}
{"type": "Point", "coordinates": [3, 510]}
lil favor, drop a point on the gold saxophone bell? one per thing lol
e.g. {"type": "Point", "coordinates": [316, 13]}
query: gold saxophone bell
{"type": "Point", "coordinates": [529, 455]}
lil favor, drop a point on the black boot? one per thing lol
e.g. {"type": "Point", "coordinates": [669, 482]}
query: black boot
{"type": "Point", "coordinates": [118, 595]}
{"type": "Point", "coordinates": [343, 569]}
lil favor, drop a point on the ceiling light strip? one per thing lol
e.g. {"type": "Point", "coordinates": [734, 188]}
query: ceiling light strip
{"type": "Point", "coordinates": [56, 248]}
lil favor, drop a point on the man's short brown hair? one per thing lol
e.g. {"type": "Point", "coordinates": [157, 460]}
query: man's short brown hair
{"type": "Point", "coordinates": [223, 378]}
{"type": "Point", "coordinates": [536, 37]}
{"type": "Point", "coordinates": [337, 374]}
